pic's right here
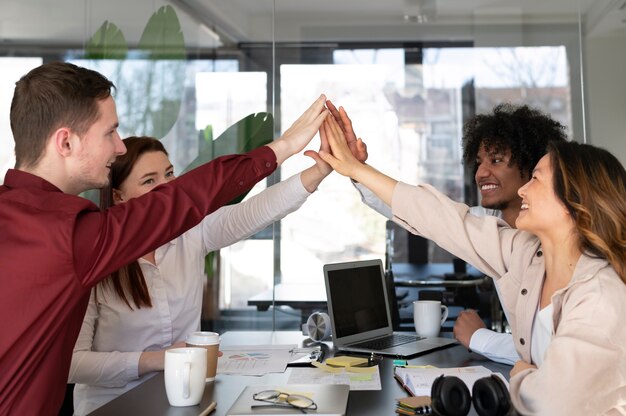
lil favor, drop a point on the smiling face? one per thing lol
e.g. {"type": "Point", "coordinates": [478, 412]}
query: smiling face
{"type": "Point", "coordinates": [541, 210]}
{"type": "Point", "coordinates": [96, 150]}
{"type": "Point", "coordinates": [151, 169]}
{"type": "Point", "coordinates": [497, 181]}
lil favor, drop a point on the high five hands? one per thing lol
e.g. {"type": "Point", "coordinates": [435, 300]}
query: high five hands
{"type": "Point", "coordinates": [348, 154]}
{"type": "Point", "coordinates": [356, 145]}
{"type": "Point", "coordinates": [344, 152]}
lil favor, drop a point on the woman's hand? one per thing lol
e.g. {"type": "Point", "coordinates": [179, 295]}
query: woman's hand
{"type": "Point", "coordinates": [341, 159]}
{"type": "Point", "coordinates": [356, 145]}
{"type": "Point", "coordinates": [521, 366]}
{"type": "Point", "coordinates": [150, 361]}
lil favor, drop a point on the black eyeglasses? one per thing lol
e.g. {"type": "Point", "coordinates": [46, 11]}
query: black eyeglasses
{"type": "Point", "coordinates": [280, 399]}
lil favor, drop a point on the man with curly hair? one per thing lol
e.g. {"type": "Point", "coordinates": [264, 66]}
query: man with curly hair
{"type": "Point", "coordinates": [503, 148]}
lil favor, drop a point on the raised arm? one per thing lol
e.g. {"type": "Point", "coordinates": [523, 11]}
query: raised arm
{"type": "Point", "coordinates": [232, 223]}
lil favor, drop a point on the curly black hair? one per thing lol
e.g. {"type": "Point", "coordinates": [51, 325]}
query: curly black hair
{"type": "Point", "coordinates": [522, 130]}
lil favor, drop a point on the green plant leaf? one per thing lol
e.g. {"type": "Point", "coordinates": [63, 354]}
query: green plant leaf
{"type": "Point", "coordinates": [163, 37]}
{"type": "Point", "coordinates": [163, 44]}
{"type": "Point", "coordinates": [107, 43]}
{"type": "Point", "coordinates": [248, 133]}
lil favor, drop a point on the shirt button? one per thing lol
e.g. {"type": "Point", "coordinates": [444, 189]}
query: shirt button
{"type": "Point", "coordinates": [524, 291]}
{"type": "Point", "coordinates": [521, 341]}
{"type": "Point", "coordinates": [539, 253]}
{"type": "Point", "coordinates": [240, 183]}
{"type": "Point", "coordinates": [268, 164]}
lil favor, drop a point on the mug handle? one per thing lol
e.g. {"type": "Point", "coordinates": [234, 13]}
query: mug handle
{"type": "Point", "coordinates": [186, 380]}
{"type": "Point", "coordinates": [444, 313]}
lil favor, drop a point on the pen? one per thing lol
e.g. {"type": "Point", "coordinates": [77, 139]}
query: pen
{"type": "Point", "coordinates": [209, 409]}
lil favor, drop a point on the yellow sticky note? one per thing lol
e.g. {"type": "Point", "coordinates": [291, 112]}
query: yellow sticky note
{"type": "Point", "coordinates": [326, 368]}
{"type": "Point", "coordinates": [361, 377]}
{"type": "Point", "coordinates": [346, 361]}
{"type": "Point", "coordinates": [361, 370]}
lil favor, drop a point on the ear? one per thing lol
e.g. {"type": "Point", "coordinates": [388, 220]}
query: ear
{"type": "Point", "coordinates": [63, 140]}
{"type": "Point", "coordinates": [117, 196]}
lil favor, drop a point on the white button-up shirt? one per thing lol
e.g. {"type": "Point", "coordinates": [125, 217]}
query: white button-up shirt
{"type": "Point", "coordinates": [106, 356]}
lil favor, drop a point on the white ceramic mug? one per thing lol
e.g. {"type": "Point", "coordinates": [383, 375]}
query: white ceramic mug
{"type": "Point", "coordinates": [185, 371]}
{"type": "Point", "coordinates": [428, 316]}
{"type": "Point", "coordinates": [211, 342]}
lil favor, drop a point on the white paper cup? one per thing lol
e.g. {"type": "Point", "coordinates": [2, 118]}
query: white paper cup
{"type": "Point", "coordinates": [211, 342]}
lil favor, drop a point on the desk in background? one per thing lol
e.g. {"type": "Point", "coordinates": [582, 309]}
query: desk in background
{"type": "Point", "coordinates": [308, 298]}
{"type": "Point", "coordinates": [434, 275]}
{"type": "Point", "coordinates": [149, 398]}
{"type": "Point", "coordinates": [312, 297]}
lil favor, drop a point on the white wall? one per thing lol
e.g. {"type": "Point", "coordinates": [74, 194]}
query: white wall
{"type": "Point", "coordinates": [605, 88]}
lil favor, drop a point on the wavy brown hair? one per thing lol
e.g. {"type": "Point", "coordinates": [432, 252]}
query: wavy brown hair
{"type": "Point", "coordinates": [129, 280]}
{"type": "Point", "coordinates": [591, 182]}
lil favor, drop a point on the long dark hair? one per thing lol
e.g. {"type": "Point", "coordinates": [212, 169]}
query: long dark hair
{"type": "Point", "coordinates": [129, 280]}
{"type": "Point", "coordinates": [591, 182]}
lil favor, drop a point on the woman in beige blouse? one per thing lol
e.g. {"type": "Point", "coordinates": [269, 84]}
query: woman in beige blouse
{"type": "Point", "coordinates": [561, 274]}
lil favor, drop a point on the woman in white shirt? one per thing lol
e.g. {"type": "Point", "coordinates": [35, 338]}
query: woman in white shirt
{"type": "Point", "coordinates": [561, 274]}
{"type": "Point", "coordinates": [154, 303]}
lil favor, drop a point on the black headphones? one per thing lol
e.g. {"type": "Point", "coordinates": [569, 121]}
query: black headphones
{"type": "Point", "coordinates": [451, 397]}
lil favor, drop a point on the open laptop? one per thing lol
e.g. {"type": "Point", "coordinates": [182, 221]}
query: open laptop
{"type": "Point", "coordinates": [358, 306]}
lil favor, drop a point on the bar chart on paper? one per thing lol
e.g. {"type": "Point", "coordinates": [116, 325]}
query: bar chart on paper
{"type": "Point", "coordinates": [254, 359]}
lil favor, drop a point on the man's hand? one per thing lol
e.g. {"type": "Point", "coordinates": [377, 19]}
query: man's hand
{"type": "Point", "coordinates": [356, 145]}
{"type": "Point", "coordinates": [301, 131]}
{"type": "Point", "coordinates": [521, 366]}
{"type": "Point", "coordinates": [466, 324]}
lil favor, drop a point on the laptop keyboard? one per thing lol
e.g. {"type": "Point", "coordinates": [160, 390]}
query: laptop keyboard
{"type": "Point", "coordinates": [386, 342]}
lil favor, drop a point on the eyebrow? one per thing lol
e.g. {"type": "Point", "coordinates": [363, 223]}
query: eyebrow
{"type": "Point", "coordinates": [154, 173]}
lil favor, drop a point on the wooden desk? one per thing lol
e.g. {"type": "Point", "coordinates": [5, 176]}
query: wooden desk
{"type": "Point", "coordinates": [149, 398]}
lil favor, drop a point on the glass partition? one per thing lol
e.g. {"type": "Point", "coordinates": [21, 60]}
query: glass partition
{"type": "Point", "coordinates": [409, 73]}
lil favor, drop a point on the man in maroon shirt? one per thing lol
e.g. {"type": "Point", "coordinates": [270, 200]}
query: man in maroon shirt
{"type": "Point", "coordinates": [54, 245]}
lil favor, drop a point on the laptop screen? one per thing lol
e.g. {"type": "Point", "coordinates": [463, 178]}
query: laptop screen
{"type": "Point", "coordinates": [357, 297]}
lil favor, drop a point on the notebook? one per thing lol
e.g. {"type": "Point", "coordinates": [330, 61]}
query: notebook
{"type": "Point", "coordinates": [358, 306]}
{"type": "Point", "coordinates": [331, 400]}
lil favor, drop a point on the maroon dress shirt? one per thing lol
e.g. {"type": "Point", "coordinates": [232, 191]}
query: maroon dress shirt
{"type": "Point", "coordinates": [54, 247]}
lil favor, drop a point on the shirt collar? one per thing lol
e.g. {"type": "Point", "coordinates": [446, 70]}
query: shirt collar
{"type": "Point", "coordinates": [16, 178]}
